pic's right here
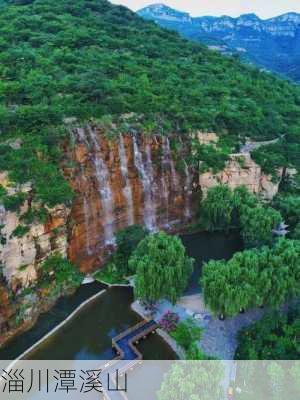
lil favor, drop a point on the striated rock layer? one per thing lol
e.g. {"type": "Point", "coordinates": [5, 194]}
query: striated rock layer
{"type": "Point", "coordinates": [123, 181]}
{"type": "Point", "coordinates": [242, 170]}
{"type": "Point", "coordinates": [22, 256]}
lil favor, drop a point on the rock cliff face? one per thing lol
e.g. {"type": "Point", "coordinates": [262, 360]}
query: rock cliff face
{"type": "Point", "coordinates": [22, 256]}
{"type": "Point", "coordinates": [241, 170]}
{"type": "Point", "coordinates": [283, 25]}
{"type": "Point", "coordinates": [138, 179]}
{"type": "Point", "coordinates": [123, 181]}
{"type": "Point", "coordinates": [128, 179]}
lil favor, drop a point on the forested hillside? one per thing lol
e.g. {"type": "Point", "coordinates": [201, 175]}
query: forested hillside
{"type": "Point", "coordinates": [90, 59]}
{"type": "Point", "coordinates": [271, 43]}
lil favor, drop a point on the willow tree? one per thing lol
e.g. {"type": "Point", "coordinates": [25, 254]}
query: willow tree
{"type": "Point", "coordinates": [229, 286]}
{"type": "Point", "coordinates": [278, 278]}
{"type": "Point", "coordinates": [252, 278]}
{"type": "Point", "coordinates": [242, 197]}
{"type": "Point", "coordinates": [216, 210]}
{"type": "Point", "coordinates": [288, 267]}
{"type": "Point", "coordinates": [257, 224]}
{"type": "Point", "coordinates": [162, 268]}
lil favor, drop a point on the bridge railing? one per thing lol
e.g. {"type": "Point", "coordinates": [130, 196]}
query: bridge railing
{"type": "Point", "coordinates": [129, 330]}
{"type": "Point", "coordinates": [129, 365]}
{"type": "Point", "coordinates": [130, 344]}
{"type": "Point", "coordinates": [138, 336]}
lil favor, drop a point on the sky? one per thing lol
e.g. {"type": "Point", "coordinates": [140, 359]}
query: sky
{"type": "Point", "coordinates": [263, 8]}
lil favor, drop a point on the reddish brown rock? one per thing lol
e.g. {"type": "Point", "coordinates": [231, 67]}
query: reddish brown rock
{"type": "Point", "coordinates": [130, 187]}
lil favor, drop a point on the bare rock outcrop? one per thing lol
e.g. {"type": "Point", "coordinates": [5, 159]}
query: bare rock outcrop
{"type": "Point", "coordinates": [239, 170]}
{"type": "Point", "coordinates": [21, 256]}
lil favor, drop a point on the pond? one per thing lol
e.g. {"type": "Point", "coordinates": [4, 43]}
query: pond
{"type": "Point", "coordinates": [88, 335]}
{"type": "Point", "coordinates": [204, 246]}
{"type": "Point", "coordinates": [47, 321]}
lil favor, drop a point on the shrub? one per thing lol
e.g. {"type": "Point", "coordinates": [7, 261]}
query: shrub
{"type": "Point", "coordinates": [186, 333]}
{"type": "Point", "coordinates": [3, 192]}
{"type": "Point", "coordinates": [59, 270]}
{"type": "Point", "coordinates": [110, 274]}
{"type": "Point", "coordinates": [20, 231]}
{"type": "Point", "coordinates": [14, 202]}
{"type": "Point", "coordinates": [35, 214]}
{"type": "Point", "coordinates": [195, 353]}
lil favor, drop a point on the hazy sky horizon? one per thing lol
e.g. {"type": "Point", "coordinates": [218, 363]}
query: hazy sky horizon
{"type": "Point", "coordinates": [263, 8]}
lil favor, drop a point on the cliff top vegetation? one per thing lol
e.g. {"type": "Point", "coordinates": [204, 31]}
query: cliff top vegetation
{"type": "Point", "coordinates": [90, 59]}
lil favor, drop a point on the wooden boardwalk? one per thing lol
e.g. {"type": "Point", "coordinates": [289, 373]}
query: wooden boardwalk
{"type": "Point", "coordinates": [127, 354]}
{"type": "Point", "coordinates": [124, 343]}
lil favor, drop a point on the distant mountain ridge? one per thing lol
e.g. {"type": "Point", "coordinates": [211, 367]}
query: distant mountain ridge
{"type": "Point", "coordinates": [273, 43]}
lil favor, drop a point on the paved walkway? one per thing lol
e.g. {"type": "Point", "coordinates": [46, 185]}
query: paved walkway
{"type": "Point", "coordinates": [250, 146]}
{"type": "Point", "coordinates": [219, 338]}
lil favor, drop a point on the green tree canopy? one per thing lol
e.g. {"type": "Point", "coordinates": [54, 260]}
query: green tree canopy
{"type": "Point", "coordinates": [60, 271]}
{"type": "Point", "coordinates": [289, 207]}
{"type": "Point", "coordinates": [186, 333]}
{"type": "Point", "coordinates": [217, 208]}
{"type": "Point", "coordinates": [253, 278]}
{"type": "Point", "coordinates": [127, 240]}
{"type": "Point", "coordinates": [257, 224]}
{"type": "Point", "coordinates": [193, 380]}
{"type": "Point", "coordinates": [242, 197]}
{"type": "Point", "coordinates": [223, 208]}
{"type": "Point", "coordinates": [209, 157]}
{"type": "Point", "coordinates": [296, 232]}
{"type": "Point", "coordinates": [91, 59]}
{"type": "Point", "coordinates": [162, 268]}
{"type": "Point", "coordinates": [275, 337]}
